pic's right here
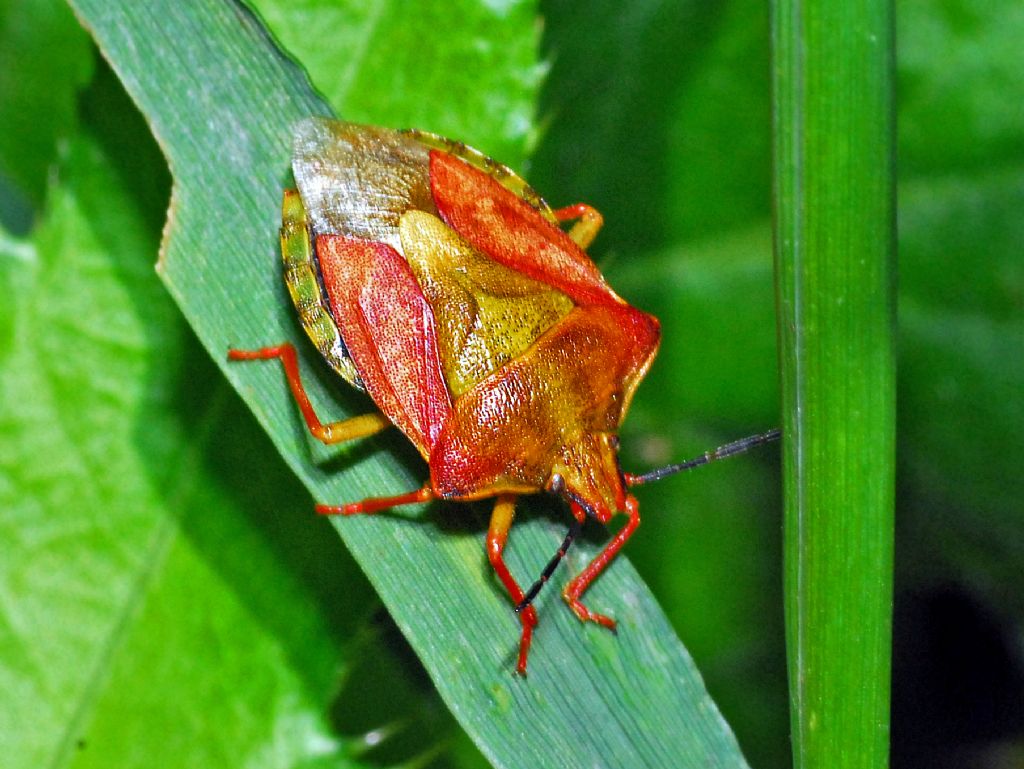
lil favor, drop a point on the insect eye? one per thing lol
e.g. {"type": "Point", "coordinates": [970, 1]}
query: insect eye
{"type": "Point", "coordinates": [557, 484]}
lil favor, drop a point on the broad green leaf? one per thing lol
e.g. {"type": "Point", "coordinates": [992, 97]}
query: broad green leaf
{"type": "Point", "coordinates": [391, 61]}
{"type": "Point", "coordinates": [135, 666]}
{"type": "Point", "coordinates": [112, 512]}
{"type": "Point", "coordinates": [221, 102]}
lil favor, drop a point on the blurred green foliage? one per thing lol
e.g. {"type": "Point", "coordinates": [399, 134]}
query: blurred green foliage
{"type": "Point", "coordinates": [658, 114]}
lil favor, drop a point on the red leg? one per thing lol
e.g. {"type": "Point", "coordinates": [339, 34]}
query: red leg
{"type": "Point", "coordinates": [586, 229]}
{"type": "Point", "coordinates": [578, 586]}
{"type": "Point", "coordinates": [497, 536]}
{"type": "Point", "coordinates": [333, 432]}
{"type": "Point", "coordinates": [376, 504]}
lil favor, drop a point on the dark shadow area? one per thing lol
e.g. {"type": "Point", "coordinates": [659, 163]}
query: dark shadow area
{"type": "Point", "coordinates": [381, 702]}
{"type": "Point", "coordinates": [120, 130]}
{"type": "Point", "coordinates": [16, 214]}
{"type": "Point", "coordinates": [958, 682]}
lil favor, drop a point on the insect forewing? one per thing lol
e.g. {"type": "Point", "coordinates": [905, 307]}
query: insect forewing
{"type": "Point", "coordinates": [359, 180]}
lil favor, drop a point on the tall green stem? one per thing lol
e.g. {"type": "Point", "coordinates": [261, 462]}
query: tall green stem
{"type": "Point", "coordinates": [835, 261]}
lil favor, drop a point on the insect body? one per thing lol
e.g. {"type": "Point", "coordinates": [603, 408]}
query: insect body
{"type": "Point", "coordinates": [440, 283]}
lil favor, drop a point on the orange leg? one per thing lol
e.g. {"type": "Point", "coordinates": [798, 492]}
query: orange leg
{"type": "Point", "coordinates": [331, 433]}
{"type": "Point", "coordinates": [376, 504]}
{"type": "Point", "coordinates": [497, 536]}
{"type": "Point", "coordinates": [577, 586]}
{"type": "Point", "coordinates": [586, 229]}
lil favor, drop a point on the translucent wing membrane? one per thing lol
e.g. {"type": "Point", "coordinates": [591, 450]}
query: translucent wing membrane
{"type": "Point", "coordinates": [359, 180]}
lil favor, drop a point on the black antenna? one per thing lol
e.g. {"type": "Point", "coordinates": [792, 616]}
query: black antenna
{"type": "Point", "coordinates": [728, 450]}
{"type": "Point", "coordinates": [574, 530]}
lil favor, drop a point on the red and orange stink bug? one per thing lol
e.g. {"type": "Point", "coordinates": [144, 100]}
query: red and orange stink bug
{"type": "Point", "coordinates": [441, 284]}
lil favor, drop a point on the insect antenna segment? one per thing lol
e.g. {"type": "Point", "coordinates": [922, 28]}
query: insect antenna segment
{"type": "Point", "coordinates": [722, 452]}
{"type": "Point", "coordinates": [728, 450]}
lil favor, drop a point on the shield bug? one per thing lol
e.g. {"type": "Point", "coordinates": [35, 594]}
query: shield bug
{"type": "Point", "coordinates": [438, 282]}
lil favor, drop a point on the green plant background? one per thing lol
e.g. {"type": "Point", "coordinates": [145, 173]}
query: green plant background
{"type": "Point", "coordinates": [659, 116]}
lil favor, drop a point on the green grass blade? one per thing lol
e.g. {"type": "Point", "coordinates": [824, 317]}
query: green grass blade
{"type": "Point", "coordinates": [221, 101]}
{"type": "Point", "coordinates": [832, 68]}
